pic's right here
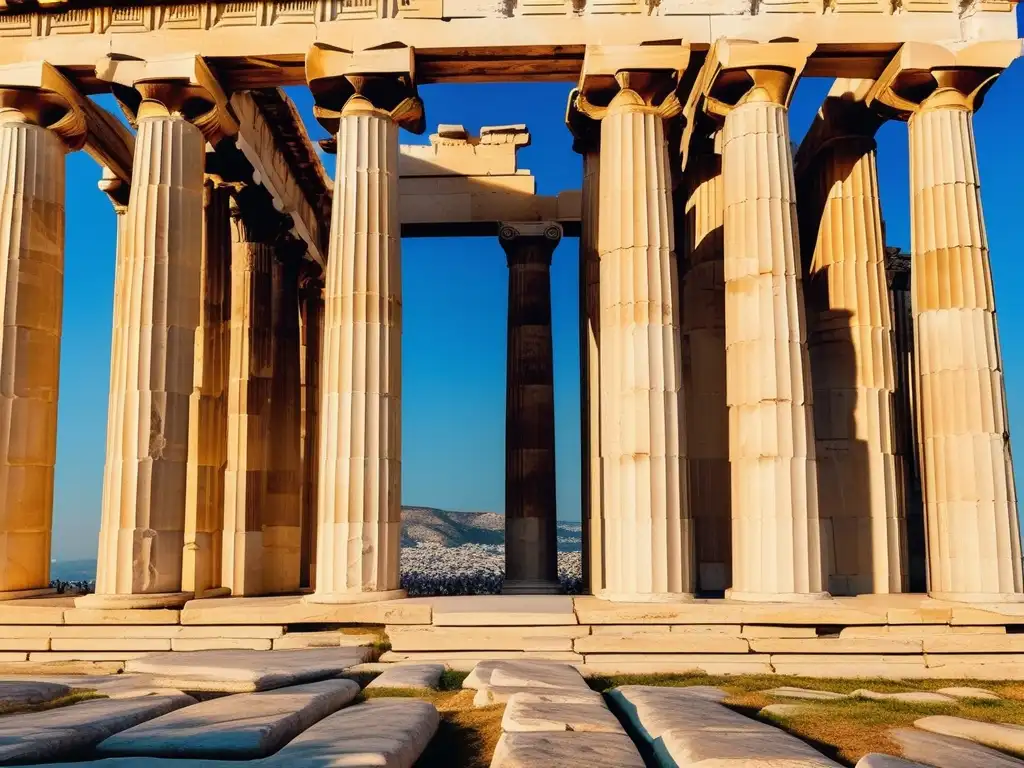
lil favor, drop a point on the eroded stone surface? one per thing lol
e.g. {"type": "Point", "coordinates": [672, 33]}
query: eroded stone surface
{"type": "Point", "coordinates": [242, 727]}
{"type": "Point", "coordinates": [996, 735]}
{"type": "Point", "coordinates": [566, 750]}
{"type": "Point", "coordinates": [536, 674]}
{"type": "Point", "coordinates": [960, 692]}
{"type": "Point", "coordinates": [16, 693]}
{"type": "Point", "coordinates": [784, 710]}
{"type": "Point", "coordinates": [907, 697]}
{"type": "Point", "coordinates": [653, 710]}
{"type": "Point", "coordinates": [409, 676]}
{"type": "Point", "coordinates": [878, 760]}
{"type": "Point", "coordinates": [789, 692]}
{"type": "Point", "coordinates": [709, 746]}
{"type": "Point", "coordinates": [557, 711]}
{"type": "Point", "coordinates": [948, 751]}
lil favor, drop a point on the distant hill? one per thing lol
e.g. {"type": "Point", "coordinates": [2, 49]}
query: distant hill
{"type": "Point", "coordinates": [420, 525]}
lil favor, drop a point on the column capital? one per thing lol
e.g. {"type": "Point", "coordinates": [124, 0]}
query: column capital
{"type": "Point", "coordinates": [36, 93]}
{"type": "Point", "coordinates": [844, 116]}
{"type": "Point", "coordinates": [251, 222]}
{"type": "Point", "coordinates": [929, 75]}
{"type": "Point", "coordinates": [375, 81]}
{"type": "Point", "coordinates": [116, 189]}
{"type": "Point", "coordinates": [529, 242]}
{"type": "Point", "coordinates": [183, 86]}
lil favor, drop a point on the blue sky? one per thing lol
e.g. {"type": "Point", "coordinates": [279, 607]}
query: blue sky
{"type": "Point", "coordinates": [454, 293]}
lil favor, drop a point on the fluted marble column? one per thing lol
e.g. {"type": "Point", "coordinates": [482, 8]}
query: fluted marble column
{"type": "Point", "coordinates": [531, 535]}
{"type": "Point", "coordinates": [776, 539]}
{"type": "Point", "coordinates": [31, 303]}
{"type": "Point", "coordinates": [311, 307]}
{"type": "Point", "coordinates": [850, 343]}
{"type": "Point", "coordinates": [249, 399]}
{"type": "Point", "coordinates": [970, 499]}
{"type": "Point", "coordinates": [208, 406]}
{"type": "Point", "coordinates": [282, 530]}
{"type": "Point", "coordinates": [143, 522]}
{"type": "Point", "coordinates": [703, 333]}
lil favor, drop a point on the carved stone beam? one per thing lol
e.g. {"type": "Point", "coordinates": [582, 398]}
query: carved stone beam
{"type": "Point", "coordinates": [921, 71]}
{"type": "Point", "coordinates": [384, 78]}
{"type": "Point", "coordinates": [736, 72]}
{"type": "Point", "coordinates": [843, 114]}
{"type": "Point", "coordinates": [178, 86]}
{"type": "Point", "coordinates": [37, 93]}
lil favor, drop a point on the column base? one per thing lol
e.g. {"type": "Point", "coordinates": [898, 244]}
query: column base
{"type": "Point", "coordinates": [19, 594]}
{"type": "Point", "coordinates": [776, 597]}
{"type": "Point", "coordinates": [341, 598]}
{"type": "Point", "coordinates": [643, 597]}
{"type": "Point", "coordinates": [122, 602]}
{"type": "Point", "coordinates": [531, 587]}
{"type": "Point", "coordinates": [213, 592]}
{"type": "Point", "coordinates": [978, 597]}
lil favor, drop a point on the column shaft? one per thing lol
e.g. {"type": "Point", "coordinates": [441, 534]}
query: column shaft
{"type": "Point", "coordinates": [360, 408]}
{"type": "Point", "coordinates": [703, 333]}
{"type": "Point", "coordinates": [646, 521]}
{"type": "Point", "coordinates": [143, 523]}
{"type": "Point", "coordinates": [776, 541]}
{"type": "Point", "coordinates": [970, 499]}
{"type": "Point", "coordinates": [850, 344]}
{"type": "Point", "coordinates": [312, 322]}
{"type": "Point", "coordinates": [31, 303]}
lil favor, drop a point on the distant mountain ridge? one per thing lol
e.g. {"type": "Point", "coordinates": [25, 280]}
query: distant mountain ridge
{"type": "Point", "coordinates": [420, 525]}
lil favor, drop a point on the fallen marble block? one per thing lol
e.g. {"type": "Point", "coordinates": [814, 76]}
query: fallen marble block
{"type": "Point", "coordinates": [20, 693]}
{"type": "Point", "coordinates": [789, 692]}
{"type": "Point", "coordinates": [940, 751]}
{"type": "Point", "coordinates": [878, 760]}
{"type": "Point", "coordinates": [559, 711]}
{"type": "Point", "coordinates": [414, 676]}
{"type": "Point", "coordinates": [243, 671]}
{"type": "Point", "coordinates": [565, 750]}
{"type": "Point", "coordinates": [489, 695]}
{"type": "Point", "coordinates": [907, 697]}
{"type": "Point", "coordinates": [480, 675]}
{"type": "Point", "coordinates": [391, 733]}
{"type": "Point", "coordinates": [960, 692]}
{"type": "Point", "coordinates": [784, 710]}
{"type": "Point", "coordinates": [536, 674]}
{"type": "Point", "coordinates": [246, 726]}
{"type": "Point", "coordinates": [67, 731]}
{"type": "Point", "coordinates": [1003, 736]}
{"type": "Point", "coordinates": [652, 710]}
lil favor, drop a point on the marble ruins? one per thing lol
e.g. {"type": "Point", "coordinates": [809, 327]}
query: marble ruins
{"type": "Point", "coordinates": [770, 412]}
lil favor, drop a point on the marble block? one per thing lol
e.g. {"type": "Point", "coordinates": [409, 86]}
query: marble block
{"type": "Point", "coordinates": [996, 735]}
{"type": "Point", "coordinates": [19, 693]}
{"type": "Point", "coordinates": [907, 697]}
{"type": "Point", "coordinates": [878, 760]}
{"type": "Point", "coordinates": [789, 692]}
{"type": "Point", "coordinates": [409, 676]}
{"type": "Point", "coordinates": [566, 750]}
{"type": "Point", "coordinates": [959, 692]}
{"type": "Point", "coordinates": [940, 751]}
{"type": "Point", "coordinates": [557, 711]}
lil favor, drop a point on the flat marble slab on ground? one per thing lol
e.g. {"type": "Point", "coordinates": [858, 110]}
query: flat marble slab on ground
{"type": "Point", "coordinates": [67, 731]}
{"type": "Point", "coordinates": [906, 697]}
{"type": "Point", "coordinates": [390, 733]}
{"type": "Point", "coordinates": [1005, 736]}
{"type": "Point", "coordinates": [708, 745]}
{"type": "Point", "coordinates": [425, 676]}
{"type": "Point", "coordinates": [19, 693]}
{"type": "Point", "coordinates": [878, 760]}
{"type": "Point", "coordinates": [559, 711]}
{"type": "Point", "coordinates": [504, 610]}
{"type": "Point", "coordinates": [246, 726]}
{"type": "Point", "coordinates": [940, 751]}
{"type": "Point", "coordinates": [784, 710]}
{"type": "Point", "coordinates": [566, 750]}
{"type": "Point", "coordinates": [123, 686]}
{"type": "Point", "coordinates": [242, 671]}
{"type": "Point", "coordinates": [789, 692]}
{"type": "Point", "coordinates": [653, 710]}
{"type": "Point", "coordinates": [536, 674]}
{"type": "Point", "coordinates": [960, 692]}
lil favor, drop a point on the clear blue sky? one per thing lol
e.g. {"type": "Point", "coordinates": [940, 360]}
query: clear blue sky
{"type": "Point", "coordinates": [454, 292]}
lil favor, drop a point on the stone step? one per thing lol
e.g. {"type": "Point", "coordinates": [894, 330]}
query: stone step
{"type": "Point", "coordinates": [415, 676]}
{"type": "Point", "coordinates": [566, 750]}
{"type": "Point", "coordinates": [464, 638]}
{"type": "Point", "coordinates": [466, 660]}
{"type": "Point", "coordinates": [245, 726]}
{"type": "Point", "coordinates": [328, 639]}
{"type": "Point", "coordinates": [940, 751]}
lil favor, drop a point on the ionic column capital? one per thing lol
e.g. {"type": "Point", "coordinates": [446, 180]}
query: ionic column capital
{"type": "Point", "coordinates": [531, 242]}
{"type": "Point", "coordinates": [378, 81]}
{"type": "Point", "coordinates": [923, 76]}
{"type": "Point", "coordinates": [36, 93]}
{"type": "Point", "coordinates": [179, 87]}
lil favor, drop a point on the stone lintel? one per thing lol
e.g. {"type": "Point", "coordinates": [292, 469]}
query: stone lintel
{"type": "Point", "coordinates": [844, 113]}
{"type": "Point", "coordinates": [453, 152]}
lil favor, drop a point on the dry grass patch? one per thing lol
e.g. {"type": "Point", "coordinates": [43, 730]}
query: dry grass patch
{"type": "Point", "coordinates": [76, 695]}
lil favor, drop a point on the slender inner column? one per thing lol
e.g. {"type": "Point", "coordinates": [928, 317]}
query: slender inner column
{"type": "Point", "coordinates": [531, 535]}
{"type": "Point", "coordinates": [282, 522]}
{"type": "Point", "coordinates": [311, 306]}
{"type": "Point", "coordinates": [359, 530]}
{"type": "Point", "coordinates": [776, 540]}
{"type": "Point", "coordinates": [970, 500]}
{"type": "Point", "coordinates": [850, 343]}
{"type": "Point", "coordinates": [208, 408]}
{"type": "Point", "coordinates": [703, 333]}
{"type": "Point", "coordinates": [31, 303]}
{"type": "Point", "coordinates": [249, 405]}
{"type": "Point", "coordinates": [646, 522]}
{"type": "Point", "coordinates": [143, 524]}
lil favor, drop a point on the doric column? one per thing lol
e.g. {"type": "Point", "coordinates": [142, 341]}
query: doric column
{"type": "Point", "coordinates": [702, 289]}
{"type": "Point", "coordinates": [250, 380]}
{"type": "Point", "coordinates": [282, 530]}
{"type": "Point", "coordinates": [143, 524]}
{"type": "Point", "coordinates": [970, 501]}
{"type": "Point", "coordinates": [38, 125]}
{"type": "Point", "coordinates": [208, 405]}
{"type": "Point", "coordinates": [531, 535]}
{"type": "Point", "coordinates": [311, 314]}
{"type": "Point", "coordinates": [362, 98]}
{"type": "Point", "coordinates": [646, 525]}
{"type": "Point", "coordinates": [776, 546]}
{"type": "Point", "coordinates": [850, 343]}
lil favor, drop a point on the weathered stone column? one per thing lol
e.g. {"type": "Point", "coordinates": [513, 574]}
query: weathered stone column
{"type": "Point", "coordinates": [531, 535]}
{"type": "Point", "coordinates": [776, 546]}
{"type": "Point", "coordinates": [363, 98]}
{"type": "Point", "coordinates": [311, 308]}
{"type": "Point", "coordinates": [850, 343]}
{"type": "Point", "coordinates": [702, 288]}
{"type": "Point", "coordinates": [646, 525]}
{"type": "Point", "coordinates": [282, 530]}
{"type": "Point", "coordinates": [208, 405]}
{"type": "Point", "coordinates": [37, 128]}
{"type": "Point", "coordinates": [970, 500]}
{"type": "Point", "coordinates": [246, 479]}
{"type": "Point", "coordinates": [143, 523]}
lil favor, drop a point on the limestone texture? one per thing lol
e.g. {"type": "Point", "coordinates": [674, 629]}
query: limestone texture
{"type": "Point", "coordinates": [579, 712]}
{"type": "Point", "coordinates": [1002, 736]}
{"type": "Point", "coordinates": [424, 676]}
{"type": "Point", "coordinates": [878, 760]}
{"type": "Point", "coordinates": [568, 750]}
{"type": "Point", "coordinates": [960, 692]}
{"type": "Point", "coordinates": [16, 693]}
{"type": "Point", "coordinates": [906, 697]}
{"type": "Point", "coordinates": [789, 692]}
{"type": "Point", "coordinates": [948, 751]}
